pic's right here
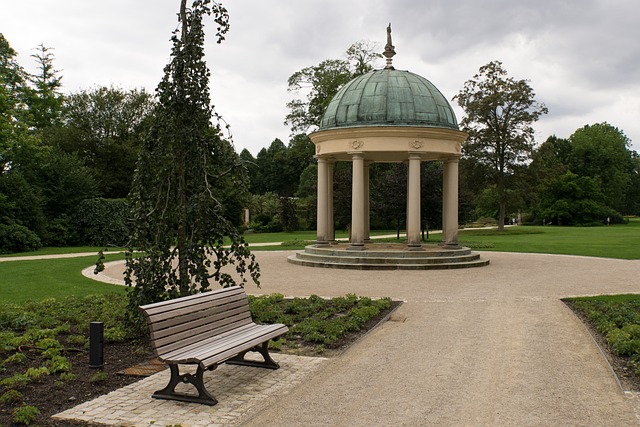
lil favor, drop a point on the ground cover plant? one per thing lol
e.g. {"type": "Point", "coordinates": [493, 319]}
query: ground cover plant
{"type": "Point", "coordinates": [317, 324]}
{"type": "Point", "coordinates": [44, 360]}
{"type": "Point", "coordinates": [615, 321]}
{"type": "Point", "coordinates": [44, 345]}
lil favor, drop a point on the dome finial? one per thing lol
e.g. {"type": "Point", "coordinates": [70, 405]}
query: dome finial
{"type": "Point", "coordinates": [389, 49]}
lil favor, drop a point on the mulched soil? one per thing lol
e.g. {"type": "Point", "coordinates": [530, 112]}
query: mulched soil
{"type": "Point", "coordinates": [51, 399]}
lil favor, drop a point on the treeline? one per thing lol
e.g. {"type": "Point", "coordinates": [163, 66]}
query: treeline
{"type": "Point", "coordinates": [67, 162]}
{"type": "Point", "coordinates": [589, 178]}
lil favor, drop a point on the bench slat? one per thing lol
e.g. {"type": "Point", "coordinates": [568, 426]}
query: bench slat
{"type": "Point", "coordinates": [159, 307]}
{"type": "Point", "coordinates": [193, 348]}
{"type": "Point", "coordinates": [209, 318]}
{"type": "Point", "coordinates": [217, 351]}
{"type": "Point", "coordinates": [220, 357]}
{"type": "Point", "coordinates": [231, 340]}
{"type": "Point", "coordinates": [198, 334]}
{"type": "Point", "coordinates": [170, 310]}
{"type": "Point", "coordinates": [186, 315]}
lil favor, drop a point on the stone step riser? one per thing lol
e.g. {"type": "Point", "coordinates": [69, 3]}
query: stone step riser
{"type": "Point", "coordinates": [376, 261]}
{"type": "Point", "coordinates": [386, 254]}
{"type": "Point", "coordinates": [456, 265]}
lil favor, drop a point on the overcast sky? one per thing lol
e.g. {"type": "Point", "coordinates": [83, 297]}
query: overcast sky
{"type": "Point", "coordinates": [582, 57]}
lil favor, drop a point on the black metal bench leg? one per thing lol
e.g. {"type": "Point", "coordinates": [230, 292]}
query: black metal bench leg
{"type": "Point", "coordinates": [263, 349]}
{"type": "Point", "coordinates": [196, 380]}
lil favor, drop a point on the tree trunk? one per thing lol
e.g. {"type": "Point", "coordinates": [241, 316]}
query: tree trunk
{"type": "Point", "coordinates": [502, 193]}
{"type": "Point", "coordinates": [183, 270]}
{"type": "Point", "coordinates": [183, 18]}
{"type": "Point", "coordinates": [501, 215]}
{"type": "Point", "coordinates": [181, 167]}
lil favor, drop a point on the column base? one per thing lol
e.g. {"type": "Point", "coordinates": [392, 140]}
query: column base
{"type": "Point", "coordinates": [356, 247]}
{"type": "Point", "coordinates": [451, 246]}
{"type": "Point", "coordinates": [321, 244]}
{"type": "Point", "coordinates": [414, 247]}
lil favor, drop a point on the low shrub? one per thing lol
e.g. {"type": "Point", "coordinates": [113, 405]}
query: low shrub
{"type": "Point", "coordinates": [316, 320]}
{"type": "Point", "coordinates": [67, 376]}
{"type": "Point", "coordinates": [11, 396]}
{"type": "Point", "coordinates": [15, 381]}
{"type": "Point", "coordinates": [16, 358]}
{"type": "Point", "coordinates": [25, 414]}
{"type": "Point", "coordinates": [617, 318]}
{"type": "Point", "coordinates": [98, 377]}
{"type": "Point", "coordinates": [17, 238]}
{"type": "Point", "coordinates": [58, 364]}
{"type": "Point", "coordinates": [296, 242]}
{"type": "Point", "coordinates": [34, 373]}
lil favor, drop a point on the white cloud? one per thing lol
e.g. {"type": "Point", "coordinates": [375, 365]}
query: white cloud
{"type": "Point", "coordinates": [581, 56]}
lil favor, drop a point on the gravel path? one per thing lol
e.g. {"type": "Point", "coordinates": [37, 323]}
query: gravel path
{"type": "Point", "coordinates": [490, 346]}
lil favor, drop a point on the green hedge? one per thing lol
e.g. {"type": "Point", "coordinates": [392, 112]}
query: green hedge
{"type": "Point", "coordinates": [17, 238]}
{"type": "Point", "coordinates": [103, 222]}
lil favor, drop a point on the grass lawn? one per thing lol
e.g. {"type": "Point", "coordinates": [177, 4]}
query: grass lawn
{"type": "Point", "coordinates": [21, 281]}
{"type": "Point", "coordinates": [300, 235]}
{"type": "Point", "coordinates": [615, 241]}
{"type": "Point", "coordinates": [38, 279]}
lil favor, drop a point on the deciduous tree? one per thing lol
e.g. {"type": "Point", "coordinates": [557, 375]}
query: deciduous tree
{"type": "Point", "coordinates": [104, 127]}
{"type": "Point", "coordinates": [321, 82]}
{"type": "Point", "coordinates": [500, 111]}
{"type": "Point", "coordinates": [601, 151]}
{"type": "Point", "coordinates": [14, 93]}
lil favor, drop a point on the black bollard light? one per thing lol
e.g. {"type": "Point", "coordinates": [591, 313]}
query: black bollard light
{"type": "Point", "coordinates": [96, 344]}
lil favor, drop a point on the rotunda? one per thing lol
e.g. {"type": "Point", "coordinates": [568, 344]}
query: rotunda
{"type": "Point", "coordinates": [387, 115]}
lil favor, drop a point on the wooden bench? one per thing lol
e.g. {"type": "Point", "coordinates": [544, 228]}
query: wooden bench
{"type": "Point", "coordinates": [206, 329]}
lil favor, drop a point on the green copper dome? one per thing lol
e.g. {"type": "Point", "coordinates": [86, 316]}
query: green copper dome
{"type": "Point", "coordinates": [389, 97]}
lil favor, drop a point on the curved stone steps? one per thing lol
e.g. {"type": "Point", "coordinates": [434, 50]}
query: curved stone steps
{"type": "Point", "coordinates": [397, 259]}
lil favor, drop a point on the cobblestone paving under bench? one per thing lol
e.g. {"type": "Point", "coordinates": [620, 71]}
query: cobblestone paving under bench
{"type": "Point", "coordinates": [238, 389]}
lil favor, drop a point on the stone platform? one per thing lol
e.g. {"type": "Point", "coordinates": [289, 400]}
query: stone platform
{"type": "Point", "coordinates": [386, 256]}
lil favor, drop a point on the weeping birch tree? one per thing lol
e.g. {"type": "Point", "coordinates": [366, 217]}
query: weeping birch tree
{"type": "Point", "coordinates": [185, 168]}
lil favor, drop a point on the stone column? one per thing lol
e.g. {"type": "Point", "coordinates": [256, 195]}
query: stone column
{"type": "Point", "coordinates": [413, 202]}
{"type": "Point", "coordinates": [322, 229]}
{"type": "Point", "coordinates": [445, 174]}
{"type": "Point", "coordinates": [357, 203]}
{"type": "Point", "coordinates": [450, 206]}
{"type": "Point", "coordinates": [367, 205]}
{"type": "Point", "coordinates": [331, 229]}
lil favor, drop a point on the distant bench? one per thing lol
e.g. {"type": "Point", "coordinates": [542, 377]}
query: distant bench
{"type": "Point", "coordinates": [206, 329]}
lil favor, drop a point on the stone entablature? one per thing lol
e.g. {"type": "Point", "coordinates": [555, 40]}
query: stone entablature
{"type": "Point", "coordinates": [389, 143]}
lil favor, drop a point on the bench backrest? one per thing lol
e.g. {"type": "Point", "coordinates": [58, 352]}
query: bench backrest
{"type": "Point", "coordinates": [183, 321]}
